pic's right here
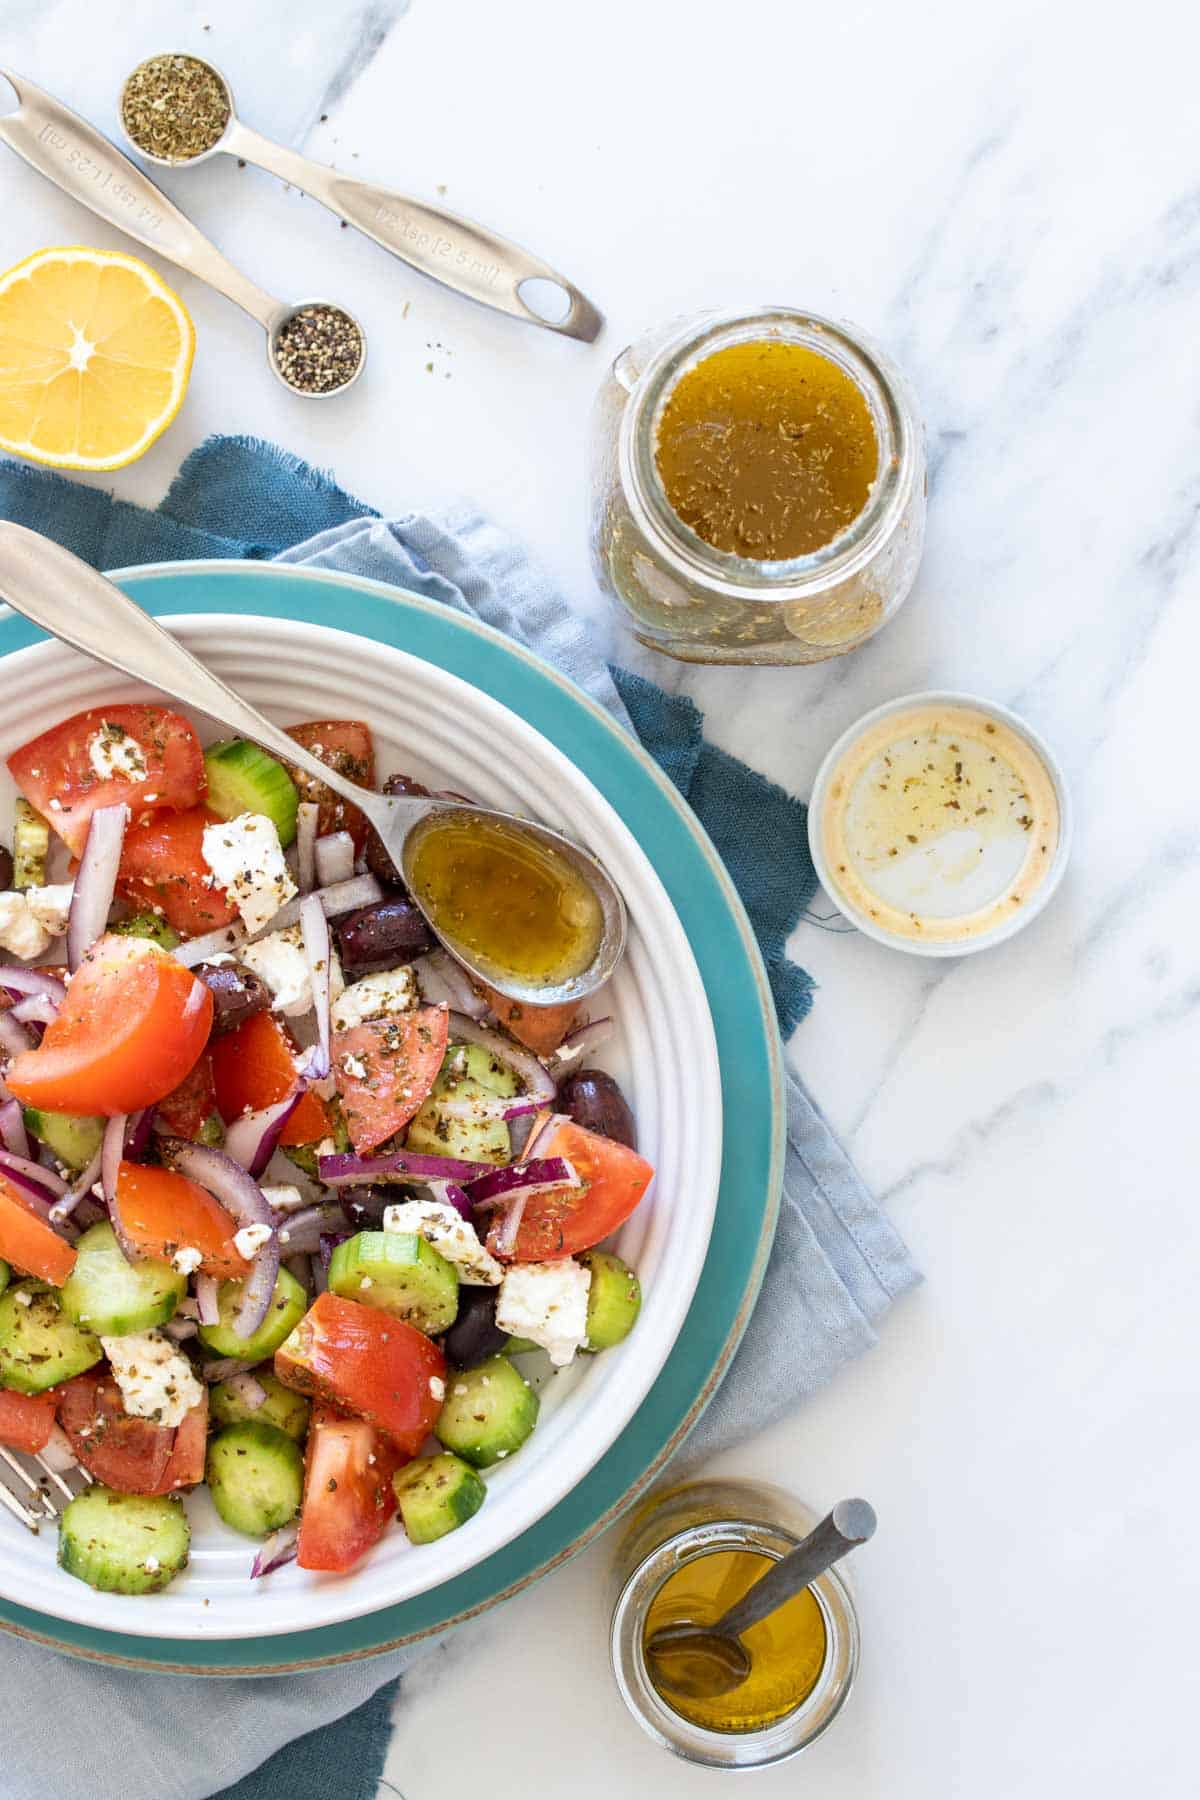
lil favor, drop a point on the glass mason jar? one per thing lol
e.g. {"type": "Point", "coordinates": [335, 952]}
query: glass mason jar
{"type": "Point", "coordinates": [670, 1529]}
{"type": "Point", "coordinates": [700, 604]}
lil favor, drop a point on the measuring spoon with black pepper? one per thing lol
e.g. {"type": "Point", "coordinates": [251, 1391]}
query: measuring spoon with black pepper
{"type": "Point", "coordinates": [314, 348]}
{"type": "Point", "coordinates": [458, 253]}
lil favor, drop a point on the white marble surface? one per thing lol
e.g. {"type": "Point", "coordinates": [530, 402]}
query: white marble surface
{"type": "Point", "coordinates": [1007, 198]}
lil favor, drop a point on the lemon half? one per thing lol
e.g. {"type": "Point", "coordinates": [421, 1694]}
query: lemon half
{"type": "Point", "coordinates": [95, 354]}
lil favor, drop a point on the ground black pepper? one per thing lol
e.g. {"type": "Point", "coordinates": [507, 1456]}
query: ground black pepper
{"type": "Point", "coordinates": [318, 349]}
{"type": "Point", "coordinates": [175, 107]}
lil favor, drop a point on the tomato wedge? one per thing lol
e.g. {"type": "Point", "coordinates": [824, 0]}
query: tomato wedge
{"type": "Point", "coordinates": [133, 1024]}
{"type": "Point", "coordinates": [163, 870]}
{"type": "Point", "coordinates": [26, 1420]}
{"type": "Point", "coordinates": [540, 1028]}
{"type": "Point", "coordinates": [345, 745]}
{"type": "Point", "coordinates": [567, 1220]}
{"type": "Point", "coordinates": [384, 1071]}
{"type": "Point", "coordinates": [28, 1242]}
{"type": "Point", "coordinates": [185, 1465]}
{"type": "Point", "coordinates": [124, 1452]}
{"type": "Point", "coordinates": [365, 1361]}
{"type": "Point", "coordinates": [162, 1212]}
{"type": "Point", "coordinates": [188, 1108]}
{"type": "Point", "coordinates": [254, 1067]}
{"type": "Point", "coordinates": [57, 771]}
{"type": "Point", "coordinates": [348, 1493]}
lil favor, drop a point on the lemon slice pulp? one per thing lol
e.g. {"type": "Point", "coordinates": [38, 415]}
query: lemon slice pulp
{"type": "Point", "coordinates": [95, 353]}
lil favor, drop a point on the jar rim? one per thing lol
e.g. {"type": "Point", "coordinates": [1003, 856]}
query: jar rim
{"type": "Point", "coordinates": [785, 1736]}
{"type": "Point", "coordinates": [800, 577]}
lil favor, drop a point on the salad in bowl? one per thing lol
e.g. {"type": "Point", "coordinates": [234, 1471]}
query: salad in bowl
{"type": "Point", "coordinates": [290, 1207]}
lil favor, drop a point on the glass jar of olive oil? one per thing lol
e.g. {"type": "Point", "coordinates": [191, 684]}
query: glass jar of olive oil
{"type": "Point", "coordinates": [688, 1554]}
{"type": "Point", "coordinates": [758, 488]}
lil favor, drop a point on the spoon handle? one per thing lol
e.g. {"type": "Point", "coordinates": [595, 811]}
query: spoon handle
{"type": "Point", "coordinates": [76, 604]}
{"type": "Point", "coordinates": [455, 251]}
{"type": "Point", "coordinates": [851, 1522]}
{"type": "Point", "coordinates": [80, 160]}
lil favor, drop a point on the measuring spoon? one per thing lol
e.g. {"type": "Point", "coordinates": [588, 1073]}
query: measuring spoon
{"type": "Point", "coordinates": [452, 250]}
{"type": "Point", "coordinates": [80, 160]}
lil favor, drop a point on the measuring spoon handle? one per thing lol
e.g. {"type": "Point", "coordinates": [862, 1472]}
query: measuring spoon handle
{"type": "Point", "coordinates": [454, 251]}
{"type": "Point", "coordinates": [851, 1522]}
{"type": "Point", "coordinates": [80, 160]}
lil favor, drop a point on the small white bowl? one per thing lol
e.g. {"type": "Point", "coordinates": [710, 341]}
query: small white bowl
{"type": "Point", "coordinates": [1016, 921]}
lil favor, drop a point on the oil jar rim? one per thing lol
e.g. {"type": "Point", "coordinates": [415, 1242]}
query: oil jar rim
{"type": "Point", "coordinates": [893, 412]}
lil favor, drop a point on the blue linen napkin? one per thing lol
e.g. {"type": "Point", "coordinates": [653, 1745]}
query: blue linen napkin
{"type": "Point", "coordinates": [837, 1263]}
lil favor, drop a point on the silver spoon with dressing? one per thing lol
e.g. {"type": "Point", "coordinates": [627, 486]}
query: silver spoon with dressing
{"type": "Point", "coordinates": [76, 604]}
{"type": "Point", "coordinates": [458, 253]}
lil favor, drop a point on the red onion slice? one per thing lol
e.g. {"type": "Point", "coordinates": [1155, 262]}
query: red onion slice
{"type": "Point", "coordinates": [13, 1036]}
{"type": "Point", "coordinates": [32, 1174]}
{"type": "Point", "coordinates": [137, 1132]}
{"type": "Point", "coordinates": [257, 1289]}
{"type": "Point", "coordinates": [112, 1151]}
{"type": "Point", "coordinates": [95, 881]}
{"type": "Point", "coordinates": [12, 1129]}
{"type": "Point", "coordinates": [307, 814]}
{"type": "Point", "coordinates": [250, 1392]}
{"type": "Point", "coordinates": [481, 1109]}
{"type": "Point", "coordinates": [442, 980]}
{"type": "Point", "coordinates": [314, 928]}
{"type": "Point", "coordinates": [78, 1191]}
{"type": "Point", "coordinates": [335, 858]}
{"type": "Point", "coordinates": [252, 1140]}
{"type": "Point", "coordinates": [300, 1233]}
{"type": "Point", "coordinates": [343, 1170]}
{"type": "Point", "coordinates": [448, 1193]}
{"type": "Point", "coordinates": [344, 897]}
{"type": "Point", "coordinates": [506, 1237]}
{"type": "Point", "coordinates": [226, 1180]}
{"type": "Point", "coordinates": [35, 1009]}
{"type": "Point", "coordinates": [279, 1548]}
{"type": "Point", "coordinates": [221, 942]}
{"type": "Point", "coordinates": [580, 1043]}
{"type": "Point", "coordinates": [522, 1062]}
{"type": "Point", "coordinates": [538, 1177]}
{"type": "Point", "coordinates": [19, 980]}
{"type": "Point", "coordinates": [224, 1368]}
{"type": "Point", "coordinates": [180, 1330]}
{"type": "Point", "coordinates": [207, 1310]}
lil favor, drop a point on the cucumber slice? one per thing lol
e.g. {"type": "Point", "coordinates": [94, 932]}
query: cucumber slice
{"type": "Point", "coordinates": [124, 1543]}
{"type": "Point", "coordinates": [614, 1299]}
{"type": "Point", "coordinates": [39, 1345]}
{"type": "Point", "coordinates": [74, 1139]}
{"type": "Point", "coordinates": [305, 1155]}
{"type": "Point", "coordinates": [255, 1474]}
{"type": "Point", "coordinates": [149, 925]}
{"type": "Point", "coordinates": [490, 1410]}
{"type": "Point", "coordinates": [400, 1273]}
{"type": "Point", "coordinates": [5, 1276]}
{"type": "Point", "coordinates": [212, 1132]}
{"type": "Point", "coordinates": [437, 1494]}
{"type": "Point", "coordinates": [242, 778]}
{"type": "Point", "coordinates": [113, 1297]}
{"type": "Point", "coordinates": [516, 1346]}
{"type": "Point", "coordinates": [31, 845]}
{"type": "Point", "coordinates": [289, 1303]}
{"type": "Point", "coordinates": [287, 1411]}
{"type": "Point", "coordinates": [468, 1072]}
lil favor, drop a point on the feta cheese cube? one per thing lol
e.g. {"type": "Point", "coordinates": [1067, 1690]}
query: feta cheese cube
{"type": "Point", "coordinates": [246, 860]}
{"type": "Point", "coordinates": [113, 753]}
{"type": "Point", "coordinates": [187, 1259]}
{"type": "Point", "coordinates": [451, 1235]}
{"type": "Point", "coordinates": [21, 934]}
{"type": "Point", "coordinates": [284, 1198]}
{"type": "Point", "coordinates": [50, 905]}
{"type": "Point", "coordinates": [155, 1379]}
{"type": "Point", "coordinates": [250, 1239]}
{"type": "Point", "coordinates": [547, 1303]}
{"type": "Point", "coordinates": [376, 997]}
{"type": "Point", "coordinates": [279, 961]}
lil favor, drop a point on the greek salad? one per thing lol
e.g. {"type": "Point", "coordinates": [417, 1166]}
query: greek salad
{"type": "Point", "coordinates": [286, 1199]}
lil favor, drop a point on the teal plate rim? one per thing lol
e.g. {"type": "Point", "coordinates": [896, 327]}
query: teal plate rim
{"type": "Point", "coordinates": [751, 1064]}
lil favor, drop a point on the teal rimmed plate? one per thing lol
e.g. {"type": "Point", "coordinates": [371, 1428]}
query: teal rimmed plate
{"type": "Point", "coordinates": [750, 1073]}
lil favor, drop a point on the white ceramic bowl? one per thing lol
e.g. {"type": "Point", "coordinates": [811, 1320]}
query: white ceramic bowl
{"type": "Point", "coordinates": [1041, 895]}
{"type": "Point", "coordinates": [444, 731]}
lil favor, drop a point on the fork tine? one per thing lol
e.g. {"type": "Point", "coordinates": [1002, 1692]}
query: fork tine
{"type": "Point", "coordinates": [57, 1478]}
{"type": "Point", "coordinates": [30, 1481]}
{"type": "Point", "coordinates": [17, 1508]}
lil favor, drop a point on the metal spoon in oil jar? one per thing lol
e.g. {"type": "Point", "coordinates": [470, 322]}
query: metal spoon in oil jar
{"type": "Point", "coordinates": [705, 1661]}
{"type": "Point", "coordinates": [76, 604]}
{"type": "Point", "coordinates": [455, 251]}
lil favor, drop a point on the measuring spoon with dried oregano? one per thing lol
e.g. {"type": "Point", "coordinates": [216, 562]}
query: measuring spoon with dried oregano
{"type": "Point", "coordinates": [315, 348]}
{"type": "Point", "coordinates": [177, 108]}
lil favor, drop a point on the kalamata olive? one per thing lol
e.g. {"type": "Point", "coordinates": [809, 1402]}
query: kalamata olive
{"type": "Point", "coordinates": [475, 1334]}
{"type": "Point", "coordinates": [6, 866]}
{"type": "Point", "coordinates": [238, 993]}
{"type": "Point", "coordinates": [378, 860]}
{"type": "Point", "coordinates": [377, 936]}
{"type": "Point", "coordinates": [594, 1100]}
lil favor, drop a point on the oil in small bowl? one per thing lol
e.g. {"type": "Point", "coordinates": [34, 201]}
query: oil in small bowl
{"type": "Point", "coordinates": [518, 909]}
